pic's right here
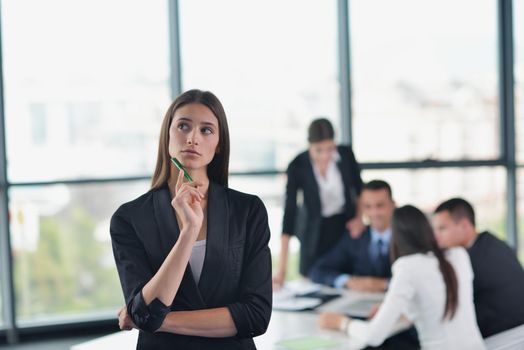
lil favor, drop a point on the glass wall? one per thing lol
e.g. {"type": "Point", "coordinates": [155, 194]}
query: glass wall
{"type": "Point", "coordinates": [63, 261]}
{"type": "Point", "coordinates": [273, 67]}
{"type": "Point", "coordinates": [83, 78]}
{"type": "Point", "coordinates": [273, 79]}
{"type": "Point", "coordinates": [518, 40]}
{"type": "Point", "coordinates": [424, 80]}
{"type": "Point", "coordinates": [86, 88]}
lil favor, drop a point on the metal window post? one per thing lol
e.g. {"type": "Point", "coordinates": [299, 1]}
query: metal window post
{"type": "Point", "coordinates": [174, 49]}
{"type": "Point", "coordinates": [6, 257]}
{"type": "Point", "coordinates": [507, 114]}
{"type": "Point", "coordinates": [344, 69]}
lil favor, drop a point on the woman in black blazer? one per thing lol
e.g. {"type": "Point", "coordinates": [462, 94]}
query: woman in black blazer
{"type": "Point", "coordinates": [316, 211]}
{"type": "Point", "coordinates": [193, 257]}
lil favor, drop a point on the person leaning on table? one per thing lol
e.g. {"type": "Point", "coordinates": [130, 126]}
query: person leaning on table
{"type": "Point", "coordinates": [430, 287]}
{"type": "Point", "coordinates": [322, 199]}
{"type": "Point", "coordinates": [193, 257]}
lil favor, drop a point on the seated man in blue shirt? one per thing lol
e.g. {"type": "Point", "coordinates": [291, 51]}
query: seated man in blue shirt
{"type": "Point", "coordinates": [362, 263]}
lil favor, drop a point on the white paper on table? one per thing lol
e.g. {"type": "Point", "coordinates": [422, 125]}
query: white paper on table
{"type": "Point", "coordinates": [290, 298]}
{"type": "Point", "coordinates": [302, 287]}
{"type": "Point", "coordinates": [295, 304]}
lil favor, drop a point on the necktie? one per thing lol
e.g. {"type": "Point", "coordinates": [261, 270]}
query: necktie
{"type": "Point", "coordinates": [382, 257]}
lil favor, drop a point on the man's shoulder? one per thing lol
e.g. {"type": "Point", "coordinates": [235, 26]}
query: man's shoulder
{"type": "Point", "coordinates": [364, 238]}
{"type": "Point", "coordinates": [487, 242]}
{"type": "Point", "coordinates": [495, 265]}
{"type": "Point", "coordinates": [491, 253]}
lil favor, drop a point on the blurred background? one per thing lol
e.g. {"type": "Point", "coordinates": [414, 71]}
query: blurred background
{"type": "Point", "coordinates": [430, 94]}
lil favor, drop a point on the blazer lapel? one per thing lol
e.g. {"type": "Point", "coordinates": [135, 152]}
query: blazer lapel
{"type": "Point", "coordinates": [343, 168]}
{"type": "Point", "coordinates": [217, 241]}
{"type": "Point", "coordinates": [349, 194]}
{"type": "Point", "coordinates": [313, 190]}
{"type": "Point", "coordinates": [165, 219]}
{"type": "Point", "coordinates": [169, 232]}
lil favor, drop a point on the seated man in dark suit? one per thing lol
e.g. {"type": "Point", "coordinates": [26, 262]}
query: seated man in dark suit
{"type": "Point", "coordinates": [362, 263]}
{"type": "Point", "coordinates": [498, 286]}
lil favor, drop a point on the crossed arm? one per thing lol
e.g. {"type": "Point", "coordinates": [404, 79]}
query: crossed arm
{"type": "Point", "coordinates": [215, 322]}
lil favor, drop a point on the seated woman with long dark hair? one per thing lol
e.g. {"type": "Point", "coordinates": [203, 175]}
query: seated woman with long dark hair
{"type": "Point", "coordinates": [429, 287]}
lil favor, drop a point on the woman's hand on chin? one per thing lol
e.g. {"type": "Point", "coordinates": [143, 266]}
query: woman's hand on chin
{"type": "Point", "coordinates": [187, 204]}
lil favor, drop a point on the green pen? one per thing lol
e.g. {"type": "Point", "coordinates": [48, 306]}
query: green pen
{"type": "Point", "coordinates": [181, 168]}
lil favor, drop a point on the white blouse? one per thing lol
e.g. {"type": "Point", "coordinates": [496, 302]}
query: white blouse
{"type": "Point", "coordinates": [196, 260]}
{"type": "Point", "coordinates": [331, 188]}
{"type": "Point", "coordinates": [417, 291]}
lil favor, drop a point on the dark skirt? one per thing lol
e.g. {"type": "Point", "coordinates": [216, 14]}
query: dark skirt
{"type": "Point", "coordinates": [331, 230]}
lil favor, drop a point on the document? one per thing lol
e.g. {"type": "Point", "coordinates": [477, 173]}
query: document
{"type": "Point", "coordinates": [299, 295]}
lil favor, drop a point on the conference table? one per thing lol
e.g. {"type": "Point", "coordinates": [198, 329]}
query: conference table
{"type": "Point", "coordinates": [293, 328]}
{"type": "Point", "coordinates": [289, 328]}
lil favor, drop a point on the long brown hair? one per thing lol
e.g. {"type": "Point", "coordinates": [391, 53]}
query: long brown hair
{"type": "Point", "coordinates": [218, 169]}
{"type": "Point", "coordinates": [412, 233]}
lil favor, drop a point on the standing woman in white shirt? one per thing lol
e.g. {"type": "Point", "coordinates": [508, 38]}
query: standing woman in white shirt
{"type": "Point", "coordinates": [429, 287]}
{"type": "Point", "coordinates": [323, 186]}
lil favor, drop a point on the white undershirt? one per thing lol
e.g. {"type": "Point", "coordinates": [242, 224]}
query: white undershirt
{"type": "Point", "coordinates": [331, 188]}
{"type": "Point", "coordinates": [196, 260]}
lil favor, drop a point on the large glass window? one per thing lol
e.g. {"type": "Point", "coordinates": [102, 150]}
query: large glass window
{"type": "Point", "coordinates": [273, 65]}
{"type": "Point", "coordinates": [483, 187]}
{"type": "Point", "coordinates": [424, 78]}
{"type": "Point", "coordinates": [86, 86]}
{"type": "Point", "coordinates": [63, 261]}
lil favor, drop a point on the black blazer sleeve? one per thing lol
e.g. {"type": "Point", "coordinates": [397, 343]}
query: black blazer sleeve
{"type": "Point", "coordinates": [290, 207]}
{"type": "Point", "coordinates": [252, 311]}
{"type": "Point", "coordinates": [335, 262]}
{"type": "Point", "coordinates": [134, 272]}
